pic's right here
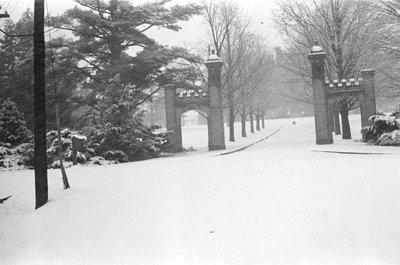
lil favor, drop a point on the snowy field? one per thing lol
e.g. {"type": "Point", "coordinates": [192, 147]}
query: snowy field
{"type": "Point", "coordinates": [282, 201]}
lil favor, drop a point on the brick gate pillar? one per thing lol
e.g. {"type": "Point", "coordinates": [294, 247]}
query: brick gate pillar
{"type": "Point", "coordinates": [173, 123]}
{"type": "Point", "coordinates": [322, 130]}
{"type": "Point", "coordinates": [367, 100]}
{"type": "Point", "coordinates": [216, 136]}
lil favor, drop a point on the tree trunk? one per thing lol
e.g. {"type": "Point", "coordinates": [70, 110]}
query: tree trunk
{"type": "Point", "coordinates": [60, 151]}
{"type": "Point", "coordinates": [251, 121]}
{"type": "Point", "coordinates": [263, 120]}
{"type": "Point", "coordinates": [231, 119]}
{"type": "Point", "coordinates": [337, 123]}
{"type": "Point", "coordinates": [331, 120]}
{"type": "Point", "coordinates": [257, 121]}
{"type": "Point", "coordinates": [244, 115]}
{"type": "Point", "coordinates": [345, 124]}
{"type": "Point", "coordinates": [41, 184]}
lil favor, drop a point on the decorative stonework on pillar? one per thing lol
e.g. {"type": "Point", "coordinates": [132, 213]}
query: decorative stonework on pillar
{"type": "Point", "coordinates": [216, 137]}
{"type": "Point", "coordinates": [367, 99]}
{"type": "Point", "coordinates": [322, 130]}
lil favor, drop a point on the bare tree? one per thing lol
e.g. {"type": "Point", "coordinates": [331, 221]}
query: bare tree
{"type": "Point", "coordinates": [388, 34]}
{"type": "Point", "coordinates": [341, 27]}
{"type": "Point", "coordinates": [386, 42]}
{"type": "Point", "coordinates": [254, 80]}
{"type": "Point", "coordinates": [228, 31]}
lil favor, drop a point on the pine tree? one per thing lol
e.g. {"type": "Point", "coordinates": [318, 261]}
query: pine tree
{"type": "Point", "coordinates": [16, 65]}
{"type": "Point", "coordinates": [105, 31]}
{"type": "Point", "coordinates": [13, 128]}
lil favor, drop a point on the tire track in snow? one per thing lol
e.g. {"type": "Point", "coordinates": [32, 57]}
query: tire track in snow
{"type": "Point", "coordinates": [250, 145]}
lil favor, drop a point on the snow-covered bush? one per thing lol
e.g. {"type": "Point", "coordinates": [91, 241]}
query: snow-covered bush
{"type": "Point", "coordinates": [134, 139]}
{"type": "Point", "coordinates": [389, 139]}
{"type": "Point", "coordinates": [27, 152]}
{"type": "Point", "coordinates": [116, 155]}
{"type": "Point", "coordinates": [66, 138]}
{"type": "Point", "coordinates": [12, 124]}
{"type": "Point", "coordinates": [97, 160]}
{"type": "Point", "coordinates": [384, 129]}
{"type": "Point", "coordinates": [20, 156]}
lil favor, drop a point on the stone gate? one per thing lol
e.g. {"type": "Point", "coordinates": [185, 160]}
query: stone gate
{"type": "Point", "coordinates": [208, 102]}
{"type": "Point", "coordinates": [324, 91]}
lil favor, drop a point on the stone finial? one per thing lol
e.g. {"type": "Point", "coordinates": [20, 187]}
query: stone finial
{"type": "Point", "coordinates": [213, 57]}
{"type": "Point", "coordinates": [316, 48]}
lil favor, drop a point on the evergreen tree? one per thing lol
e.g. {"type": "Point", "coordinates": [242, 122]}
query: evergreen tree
{"type": "Point", "coordinates": [105, 30]}
{"type": "Point", "coordinates": [16, 65]}
{"type": "Point", "coordinates": [13, 128]}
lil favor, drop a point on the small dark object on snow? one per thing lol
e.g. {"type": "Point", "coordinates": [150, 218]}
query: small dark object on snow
{"type": "Point", "coordinates": [4, 199]}
{"type": "Point", "coordinates": [294, 122]}
{"type": "Point", "coordinates": [212, 232]}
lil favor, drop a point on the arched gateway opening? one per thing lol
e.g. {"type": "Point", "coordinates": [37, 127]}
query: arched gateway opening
{"type": "Point", "coordinates": [194, 130]}
{"type": "Point", "coordinates": [208, 102]}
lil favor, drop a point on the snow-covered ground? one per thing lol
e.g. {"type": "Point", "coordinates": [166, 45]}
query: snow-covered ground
{"type": "Point", "coordinates": [282, 201]}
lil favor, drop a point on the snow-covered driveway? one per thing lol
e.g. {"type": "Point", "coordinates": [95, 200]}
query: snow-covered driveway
{"type": "Point", "coordinates": [282, 201]}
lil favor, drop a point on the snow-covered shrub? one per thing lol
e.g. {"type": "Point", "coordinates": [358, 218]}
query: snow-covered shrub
{"type": "Point", "coordinates": [20, 156]}
{"type": "Point", "coordinates": [189, 149]}
{"type": "Point", "coordinates": [66, 138]}
{"type": "Point", "coordinates": [81, 157]}
{"type": "Point", "coordinates": [135, 139]}
{"type": "Point", "coordinates": [4, 151]}
{"type": "Point", "coordinates": [52, 139]}
{"type": "Point", "coordinates": [116, 155]}
{"type": "Point", "coordinates": [11, 162]}
{"type": "Point", "coordinates": [383, 125]}
{"type": "Point", "coordinates": [97, 160]}
{"type": "Point", "coordinates": [12, 124]}
{"type": "Point", "coordinates": [115, 122]}
{"type": "Point", "coordinates": [56, 164]}
{"type": "Point", "coordinates": [389, 139]}
{"type": "Point", "coordinates": [27, 152]}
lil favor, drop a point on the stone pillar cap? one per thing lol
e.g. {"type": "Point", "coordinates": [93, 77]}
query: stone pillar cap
{"type": "Point", "coordinates": [316, 48]}
{"type": "Point", "coordinates": [213, 57]}
{"type": "Point", "coordinates": [367, 70]}
{"type": "Point", "coordinates": [169, 86]}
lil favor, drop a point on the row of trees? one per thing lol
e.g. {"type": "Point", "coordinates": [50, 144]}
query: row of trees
{"type": "Point", "coordinates": [355, 35]}
{"type": "Point", "coordinates": [249, 63]}
{"type": "Point", "coordinates": [248, 70]}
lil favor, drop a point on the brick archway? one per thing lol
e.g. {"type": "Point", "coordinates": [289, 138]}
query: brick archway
{"type": "Point", "coordinates": [325, 91]}
{"type": "Point", "coordinates": [210, 102]}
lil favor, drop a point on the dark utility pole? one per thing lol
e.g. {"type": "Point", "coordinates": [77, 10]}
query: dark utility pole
{"type": "Point", "coordinates": [41, 187]}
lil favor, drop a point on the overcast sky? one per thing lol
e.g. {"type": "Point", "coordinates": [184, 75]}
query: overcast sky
{"type": "Point", "coordinates": [192, 32]}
